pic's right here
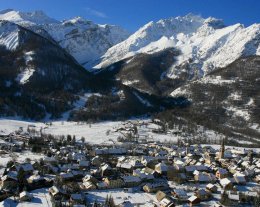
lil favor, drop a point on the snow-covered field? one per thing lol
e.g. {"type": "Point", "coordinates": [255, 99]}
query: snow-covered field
{"type": "Point", "coordinates": [20, 157]}
{"type": "Point", "coordinates": [93, 133]}
{"type": "Point", "coordinates": [41, 198]}
{"type": "Point", "coordinates": [119, 196]}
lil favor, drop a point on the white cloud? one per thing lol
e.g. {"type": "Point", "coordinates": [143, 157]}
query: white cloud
{"type": "Point", "coordinates": [95, 12]}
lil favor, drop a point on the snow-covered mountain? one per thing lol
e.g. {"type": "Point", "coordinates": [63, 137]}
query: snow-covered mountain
{"type": "Point", "coordinates": [9, 34]}
{"type": "Point", "coordinates": [204, 44]}
{"type": "Point", "coordinates": [84, 40]}
{"type": "Point", "coordinates": [26, 18]}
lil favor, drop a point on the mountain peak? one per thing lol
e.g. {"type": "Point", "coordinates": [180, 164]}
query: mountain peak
{"type": "Point", "coordinates": [26, 18]}
{"type": "Point", "coordinates": [77, 20]}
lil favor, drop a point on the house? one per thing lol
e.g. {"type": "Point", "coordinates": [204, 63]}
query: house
{"type": "Point", "coordinates": [160, 195]}
{"type": "Point", "coordinates": [151, 171]}
{"type": "Point", "coordinates": [88, 186]}
{"type": "Point", "coordinates": [226, 184]}
{"type": "Point", "coordinates": [84, 164]}
{"type": "Point", "coordinates": [161, 168]}
{"type": "Point", "coordinates": [209, 158]}
{"type": "Point", "coordinates": [96, 161]}
{"type": "Point", "coordinates": [102, 185]}
{"type": "Point", "coordinates": [154, 187]}
{"type": "Point", "coordinates": [233, 196]}
{"type": "Point", "coordinates": [114, 182]}
{"type": "Point", "coordinates": [90, 178]}
{"type": "Point", "coordinates": [9, 181]}
{"type": "Point", "coordinates": [194, 201]}
{"type": "Point", "coordinates": [26, 167]}
{"type": "Point", "coordinates": [143, 175]}
{"type": "Point", "coordinates": [66, 177]}
{"type": "Point", "coordinates": [56, 193]}
{"type": "Point", "coordinates": [131, 181]}
{"type": "Point", "coordinates": [125, 204]}
{"type": "Point", "coordinates": [37, 181]}
{"type": "Point", "coordinates": [221, 173]}
{"type": "Point", "coordinates": [211, 188]}
{"type": "Point", "coordinates": [180, 194]}
{"type": "Point", "coordinates": [203, 194]}
{"type": "Point", "coordinates": [239, 179]}
{"type": "Point", "coordinates": [166, 202]}
{"type": "Point", "coordinates": [203, 177]}
{"type": "Point", "coordinates": [77, 199]}
{"type": "Point", "coordinates": [106, 170]}
{"type": "Point", "coordinates": [25, 196]}
{"type": "Point", "coordinates": [176, 175]}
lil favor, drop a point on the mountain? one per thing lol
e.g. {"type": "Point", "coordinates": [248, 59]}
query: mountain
{"type": "Point", "coordinates": [39, 80]}
{"type": "Point", "coordinates": [188, 70]}
{"type": "Point", "coordinates": [37, 75]}
{"type": "Point", "coordinates": [203, 44]}
{"type": "Point", "coordinates": [26, 18]}
{"type": "Point", "coordinates": [226, 100]}
{"type": "Point", "coordinates": [83, 39]}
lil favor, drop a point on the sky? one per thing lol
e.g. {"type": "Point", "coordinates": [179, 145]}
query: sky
{"type": "Point", "coordinates": [132, 14]}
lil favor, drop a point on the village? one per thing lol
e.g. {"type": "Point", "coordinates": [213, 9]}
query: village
{"type": "Point", "coordinates": [134, 170]}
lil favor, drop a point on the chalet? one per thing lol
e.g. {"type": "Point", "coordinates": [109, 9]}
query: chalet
{"type": "Point", "coordinates": [143, 175]}
{"type": "Point", "coordinates": [203, 194]}
{"type": "Point", "coordinates": [84, 164]}
{"type": "Point", "coordinates": [96, 161]}
{"type": "Point", "coordinates": [25, 196]}
{"type": "Point", "coordinates": [154, 187]}
{"type": "Point", "coordinates": [125, 204]}
{"type": "Point", "coordinates": [129, 165]}
{"type": "Point", "coordinates": [77, 199]}
{"type": "Point", "coordinates": [88, 186]}
{"type": "Point", "coordinates": [102, 185]}
{"type": "Point", "coordinates": [194, 201]}
{"type": "Point", "coordinates": [56, 193]}
{"type": "Point", "coordinates": [161, 168]}
{"type": "Point", "coordinates": [106, 170]}
{"type": "Point", "coordinates": [90, 178]}
{"type": "Point", "coordinates": [180, 194]}
{"type": "Point", "coordinates": [37, 181]}
{"type": "Point", "coordinates": [109, 151]}
{"type": "Point", "coordinates": [66, 177]}
{"type": "Point", "coordinates": [26, 167]}
{"type": "Point", "coordinates": [166, 202]}
{"type": "Point", "coordinates": [160, 195]}
{"type": "Point", "coordinates": [131, 181]}
{"type": "Point", "coordinates": [114, 182]}
{"type": "Point", "coordinates": [221, 173]}
{"type": "Point", "coordinates": [226, 184]}
{"type": "Point", "coordinates": [9, 181]}
{"type": "Point", "coordinates": [211, 188]}
{"type": "Point", "coordinates": [50, 160]}
{"type": "Point", "coordinates": [239, 179]}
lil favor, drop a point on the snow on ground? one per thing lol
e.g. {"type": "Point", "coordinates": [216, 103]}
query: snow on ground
{"type": "Point", "coordinates": [25, 75]}
{"type": "Point", "coordinates": [239, 113]}
{"type": "Point", "coordinates": [78, 104]}
{"type": "Point", "coordinates": [119, 196]}
{"type": "Point", "coordinates": [143, 101]}
{"type": "Point", "coordinates": [130, 82]}
{"type": "Point", "coordinates": [217, 147]}
{"type": "Point", "coordinates": [94, 133]}
{"type": "Point", "coordinates": [28, 56]}
{"type": "Point", "coordinates": [9, 35]}
{"type": "Point", "coordinates": [216, 81]}
{"type": "Point", "coordinates": [41, 198]}
{"type": "Point", "coordinates": [20, 157]}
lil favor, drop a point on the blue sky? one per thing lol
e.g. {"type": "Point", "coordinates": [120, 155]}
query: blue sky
{"type": "Point", "coordinates": [132, 14]}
